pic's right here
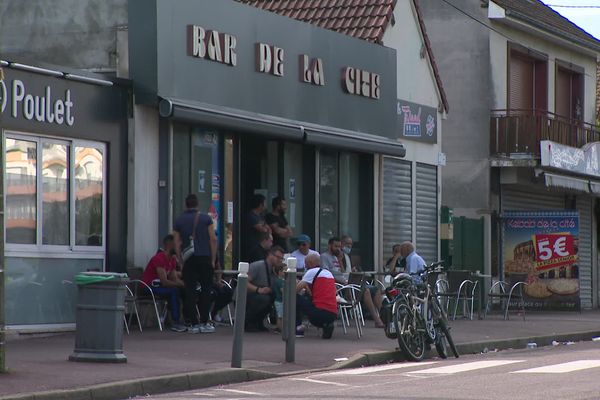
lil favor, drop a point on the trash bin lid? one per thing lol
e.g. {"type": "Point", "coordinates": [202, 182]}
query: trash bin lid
{"type": "Point", "coordinates": [86, 278]}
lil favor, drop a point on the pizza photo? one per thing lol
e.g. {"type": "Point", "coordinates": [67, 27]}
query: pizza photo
{"type": "Point", "coordinates": [564, 287]}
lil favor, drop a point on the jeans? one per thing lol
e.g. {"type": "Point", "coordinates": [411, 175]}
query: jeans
{"type": "Point", "coordinates": [196, 270]}
{"type": "Point", "coordinates": [316, 316]}
{"type": "Point", "coordinates": [172, 295]}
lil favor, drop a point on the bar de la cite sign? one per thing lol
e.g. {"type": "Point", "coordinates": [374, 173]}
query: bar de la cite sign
{"type": "Point", "coordinates": [221, 47]}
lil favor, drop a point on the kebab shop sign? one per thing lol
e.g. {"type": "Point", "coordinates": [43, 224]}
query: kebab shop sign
{"type": "Point", "coordinates": [45, 106]}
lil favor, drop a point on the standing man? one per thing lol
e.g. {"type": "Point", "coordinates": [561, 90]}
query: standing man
{"type": "Point", "coordinates": [316, 298]}
{"type": "Point", "coordinates": [162, 277]}
{"type": "Point", "coordinates": [278, 224]}
{"type": "Point", "coordinates": [255, 223]}
{"type": "Point", "coordinates": [261, 276]}
{"type": "Point", "coordinates": [303, 250]}
{"type": "Point", "coordinates": [260, 251]}
{"type": "Point", "coordinates": [414, 262]}
{"type": "Point", "coordinates": [197, 227]}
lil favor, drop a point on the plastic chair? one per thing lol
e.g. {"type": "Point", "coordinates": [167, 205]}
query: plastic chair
{"type": "Point", "coordinates": [500, 290]}
{"type": "Point", "coordinates": [348, 306]}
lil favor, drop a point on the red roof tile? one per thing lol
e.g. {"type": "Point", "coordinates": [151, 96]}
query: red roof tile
{"type": "Point", "coordinates": [364, 19]}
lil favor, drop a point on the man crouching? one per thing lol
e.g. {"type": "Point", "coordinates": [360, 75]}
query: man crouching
{"type": "Point", "coordinates": [316, 298]}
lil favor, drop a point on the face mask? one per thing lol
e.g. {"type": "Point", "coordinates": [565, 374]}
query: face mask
{"type": "Point", "coordinates": [347, 249]}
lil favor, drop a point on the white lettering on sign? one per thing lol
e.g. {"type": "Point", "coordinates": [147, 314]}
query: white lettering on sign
{"type": "Point", "coordinates": [211, 45]}
{"type": "Point", "coordinates": [361, 83]}
{"type": "Point", "coordinates": [269, 59]}
{"type": "Point", "coordinates": [311, 70]}
{"type": "Point", "coordinates": [40, 108]}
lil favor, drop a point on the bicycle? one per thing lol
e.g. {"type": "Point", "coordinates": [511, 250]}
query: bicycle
{"type": "Point", "coordinates": [418, 318]}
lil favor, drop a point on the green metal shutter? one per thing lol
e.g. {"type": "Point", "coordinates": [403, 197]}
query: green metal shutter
{"type": "Point", "coordinates": [397, 203]}
{"type": "Point", "coordinates": [584, 206]}
{"type": "Point", "coordinates": [427, 212]}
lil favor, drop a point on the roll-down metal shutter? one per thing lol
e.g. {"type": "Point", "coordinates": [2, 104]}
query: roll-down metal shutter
{"type": "Point", "coordinates": [427, 212]}
{"type": "Point", "coordinates": [584, 206]}
{"type": "Point", "coordinates": [397, 203]}
{"type": "Point", "coordinates": [519, 199]}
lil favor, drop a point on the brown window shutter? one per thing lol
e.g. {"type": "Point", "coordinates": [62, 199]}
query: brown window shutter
{"type": "Point", "coordinates": [563, 93]}
{"type": "Point", "coordinates": [521, 83]}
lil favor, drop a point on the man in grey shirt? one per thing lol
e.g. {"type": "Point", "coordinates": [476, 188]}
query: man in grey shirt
{"type": "Point", "coordinates": [261, 276]}
{"type": "Point", "coordinates": [331, 259]}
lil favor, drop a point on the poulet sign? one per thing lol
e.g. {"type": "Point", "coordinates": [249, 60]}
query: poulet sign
{"type": "Point", "coordinates": [45, 106]}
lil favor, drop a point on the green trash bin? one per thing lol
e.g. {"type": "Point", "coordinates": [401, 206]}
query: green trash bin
{"type": "Point", "coordinates": [99, 318]}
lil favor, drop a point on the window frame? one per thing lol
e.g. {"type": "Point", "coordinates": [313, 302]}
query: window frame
{"type": "Point", "coordinates": [50, 250]}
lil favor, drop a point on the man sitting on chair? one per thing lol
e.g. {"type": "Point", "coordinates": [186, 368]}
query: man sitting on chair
{"type": "Point", "coordinates": [162, 276]}
{"type": "Point", "coordinates": [316, 297]}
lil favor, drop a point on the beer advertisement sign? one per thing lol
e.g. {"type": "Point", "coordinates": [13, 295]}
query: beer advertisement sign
{"type": "Point", "coordinates": [540, 248]}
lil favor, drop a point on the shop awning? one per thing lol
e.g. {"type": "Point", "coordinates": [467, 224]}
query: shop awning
{"type": "Point", "coordinates": [278, 128]}
{"type": "Point", "coordinates": [567, 182]}
{"type": "Point", "coordinates": [595, 187]}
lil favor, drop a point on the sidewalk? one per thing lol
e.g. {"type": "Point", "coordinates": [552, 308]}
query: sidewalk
{"type": "Point", "coordinates": [40, 364]}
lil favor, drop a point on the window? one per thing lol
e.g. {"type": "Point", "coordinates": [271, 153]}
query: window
{"type": "Point", "coordinates": [528, 81]}
{"type": "Point", "coordinates": [21, 191]}
{"type": "Point", "coordinates": [70, 180]}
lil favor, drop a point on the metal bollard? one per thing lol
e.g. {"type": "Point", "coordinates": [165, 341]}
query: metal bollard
{"type": "Point", "coordinates": [289, 313]}
{"type": "Point", "coordinates": [240, 315]}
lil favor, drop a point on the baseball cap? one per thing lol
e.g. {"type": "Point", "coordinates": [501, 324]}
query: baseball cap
{"type": "Point", "coordinates": [303, 239]}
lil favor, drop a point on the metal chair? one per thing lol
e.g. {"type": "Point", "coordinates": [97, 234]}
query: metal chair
{"type": "Point", "coordinates": [131, 309]}
{"type": "Point", "coordinates": [500, 290]}
{"type": "Point", "coordinates": [458, 288]}
{"type": "Point", "coordinates": [348, 297]}
{"type": "Point", "coordinates": [144, 296]}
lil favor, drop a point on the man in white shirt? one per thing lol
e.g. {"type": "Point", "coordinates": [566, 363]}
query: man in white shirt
{"type": "Point", "coordinates": [303, 250]}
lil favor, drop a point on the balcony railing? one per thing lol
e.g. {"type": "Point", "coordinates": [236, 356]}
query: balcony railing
{"type": "Point", "coordinates": [518, 133]}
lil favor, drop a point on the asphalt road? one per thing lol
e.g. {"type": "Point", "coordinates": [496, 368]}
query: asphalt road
{"type": "Point", "coordinates": [559, 372]}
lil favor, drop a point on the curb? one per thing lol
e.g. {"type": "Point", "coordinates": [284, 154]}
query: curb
{"type": "Point", "coordinates": [203, 379]}
{"type": "Point", "coordinates": [384, 357]}
{"type": "Point", "coordinates": [145, 386]}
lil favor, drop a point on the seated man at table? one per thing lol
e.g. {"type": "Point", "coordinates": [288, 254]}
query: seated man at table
{"type": "Point", "coordinates": [261, 276]}
{"type": "Point", "coordinates": [303, 250]}
{"type": "Point", "coordinates": [316, 298]}
{"type": "Point", "coordinates": [164, 280]}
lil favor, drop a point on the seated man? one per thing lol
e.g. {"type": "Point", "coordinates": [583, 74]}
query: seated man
{"type": "Point", "coordinates": [261, 276]}
{"type": "Point", "coordinates": [163, 278]}
{"type": "Point", "coordinates": [260, 250]}
{"type": "Point", "coordinates": [221, 296]}
{"type": "Point", "coordinates": [316, 298]}
{"type": "Point", "coordinates": [303, 250]}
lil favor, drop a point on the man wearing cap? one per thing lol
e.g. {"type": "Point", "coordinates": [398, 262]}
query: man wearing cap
{"type": "Point", "coordinates": [303, 250]}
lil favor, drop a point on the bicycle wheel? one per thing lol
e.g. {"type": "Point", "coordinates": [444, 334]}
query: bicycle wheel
{"type": "Point", "coordinates": [411, 338]}
{"type": "Point", "coordinates": [443, 330]}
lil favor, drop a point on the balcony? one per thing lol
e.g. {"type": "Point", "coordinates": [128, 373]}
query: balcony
{"type": "Point", "coordinates": [517, 133]}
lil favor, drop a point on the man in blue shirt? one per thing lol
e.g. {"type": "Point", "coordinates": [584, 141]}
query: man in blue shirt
{"type": "Point", "coordinates": [414, 262]}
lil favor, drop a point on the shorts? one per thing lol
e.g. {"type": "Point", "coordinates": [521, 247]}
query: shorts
{"type": "Point", "coordinates": [279, 309]}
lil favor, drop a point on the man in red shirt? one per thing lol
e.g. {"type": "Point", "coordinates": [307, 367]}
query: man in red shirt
{"type": "Point", "coordinates": [316, 297]}
{"type": "Point", "coordinates": [163, 278]}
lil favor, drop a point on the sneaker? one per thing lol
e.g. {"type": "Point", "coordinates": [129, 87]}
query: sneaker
{"type": "Point", "coordinates": [300, 331]}
{"type": "Point", "coordinates": [207, 328]}
{"type": "Point", "coordinates": [327, 330]}
{"type": "Point", "coordinates": [217, 318]}
{"type": "Point", "coordinates": [193, 328]}
{"type": "Point", "coordinates": [178, 328]}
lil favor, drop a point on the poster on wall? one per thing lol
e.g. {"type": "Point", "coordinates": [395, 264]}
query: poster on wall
{"type": "Point", "coordinates": [540, 248]}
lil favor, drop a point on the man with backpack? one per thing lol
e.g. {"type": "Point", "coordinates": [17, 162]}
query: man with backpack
{"type": "Point", "coordinates": [316, 297]}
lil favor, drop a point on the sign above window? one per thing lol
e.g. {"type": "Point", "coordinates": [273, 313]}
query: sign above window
{"type": "Point", "coordinates": [416, 121]}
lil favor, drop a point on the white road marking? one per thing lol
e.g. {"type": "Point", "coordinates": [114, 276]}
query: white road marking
{"type": "Point", "coordinates": [453, 369]}
{"type": "Point", "coordinates": [561, 368]}
{"type": "Point", "coordinates": [318, 381]}
{"type": "Point", "coordinates": [240, 392]}
{"type": "Point", "coordinates": [204, 394]}
{"type": "Point", "coordinates": [377, 368]}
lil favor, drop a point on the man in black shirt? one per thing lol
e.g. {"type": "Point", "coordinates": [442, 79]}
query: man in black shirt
{"type": "Point", "coordinates": [278, 224]}
{"type": "Point", "coordinates": [260, 251]}
{"type": "Point", "coordinates": [255, 223]}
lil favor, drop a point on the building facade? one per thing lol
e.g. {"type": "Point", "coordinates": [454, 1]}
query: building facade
{"type": "Point", "coordinates": [64, 134]}
{"type": "Point", "coordinates": [523, 81]}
